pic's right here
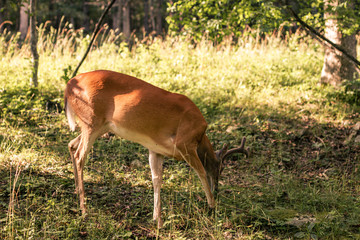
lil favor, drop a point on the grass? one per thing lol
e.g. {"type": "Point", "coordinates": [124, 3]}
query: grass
{"type": "Point", "coordinates": [300, 182]}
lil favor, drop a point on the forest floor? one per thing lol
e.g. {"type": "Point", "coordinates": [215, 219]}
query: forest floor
{"type": "Point", "coordinates": [301, 180]}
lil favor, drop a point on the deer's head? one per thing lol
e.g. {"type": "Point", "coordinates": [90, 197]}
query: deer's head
{"type": "Point", "coordinates": [215, 168]}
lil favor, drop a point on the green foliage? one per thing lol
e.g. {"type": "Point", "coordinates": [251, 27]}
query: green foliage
{"type": "Point", "coordinates": [301, 179]}
{"type": "Point", "coordinates": [67, 74]}
{"type": "Point", "coordinates": [347, 12]}
{"type": "Point", "coordinates": [217, 19]}
{"type": "Point", "coordinates": [27, 106]}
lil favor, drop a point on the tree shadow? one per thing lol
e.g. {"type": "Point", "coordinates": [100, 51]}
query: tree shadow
{"type": "Point", "coordinates": [293, 139]}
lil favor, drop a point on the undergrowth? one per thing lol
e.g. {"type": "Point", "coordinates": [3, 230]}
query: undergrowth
{"type": "Point", "coordinates": [300, 181]}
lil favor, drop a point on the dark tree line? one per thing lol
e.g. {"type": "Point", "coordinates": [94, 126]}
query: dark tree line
{"type": "Point", "coordinates": [139, 16]}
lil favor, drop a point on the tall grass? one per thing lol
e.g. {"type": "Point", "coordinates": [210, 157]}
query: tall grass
{"type": "Point", "coordinates": [12, 202]}
{"type": "Point", "coordinates": [301, 179]}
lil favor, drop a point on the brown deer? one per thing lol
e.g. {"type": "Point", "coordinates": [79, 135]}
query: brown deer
{"type": "Point", "coordinates": [166, 123]}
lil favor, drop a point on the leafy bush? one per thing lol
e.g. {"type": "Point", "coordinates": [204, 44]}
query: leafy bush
{"type": "Point", "coordinates": [26, 106]}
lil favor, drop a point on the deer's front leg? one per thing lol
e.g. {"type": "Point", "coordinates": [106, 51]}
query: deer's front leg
{"type": "Point", "coordinates": [156, 166]}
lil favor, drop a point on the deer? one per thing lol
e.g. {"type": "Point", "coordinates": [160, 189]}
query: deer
{"type": "Point", "coordinates": [167, 124]}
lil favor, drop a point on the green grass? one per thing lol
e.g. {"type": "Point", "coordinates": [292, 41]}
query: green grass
{"type": "Point", "coordinates": [300, 181]}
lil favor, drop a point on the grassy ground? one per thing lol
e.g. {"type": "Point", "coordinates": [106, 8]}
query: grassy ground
{"type": "Point", "coordinates": [300, 182]}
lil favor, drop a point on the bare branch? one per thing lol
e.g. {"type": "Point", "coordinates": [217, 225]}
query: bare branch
{"type": "Point", "coordinates": [97, 29]}
{"type": "Point", "coordinates": [317, 34]}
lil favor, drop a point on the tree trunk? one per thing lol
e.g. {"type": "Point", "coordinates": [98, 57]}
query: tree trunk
{"type": "Point", "coordinates": [158, 17]}
{"type": "Point", "coordinates": [152, 17]}
{"type": "Point", "coordinates": [117, 15]}
{"type": "Point", "coordinates": [2, 7]}
{"type": "Point", "coordinates": [337, 67]}
{"type": "Point", "coordinates": [24, 20]}
{"type": "Point", "coordinates": [146, 16]}
{"type": "Point", "coordinates": [73, 23]}
{"type": "Point", "coordinates": [33, 43]}
{"type": "Point", "coordinates": [126, 19]}
{"type": "Point", "coordinates": [86, 21]}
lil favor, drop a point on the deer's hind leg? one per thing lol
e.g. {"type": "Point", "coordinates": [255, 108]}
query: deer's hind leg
{"type": "Point", "coordinates": [79, 149]}
{"type": "Point", "coordinates": [156, 166]}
